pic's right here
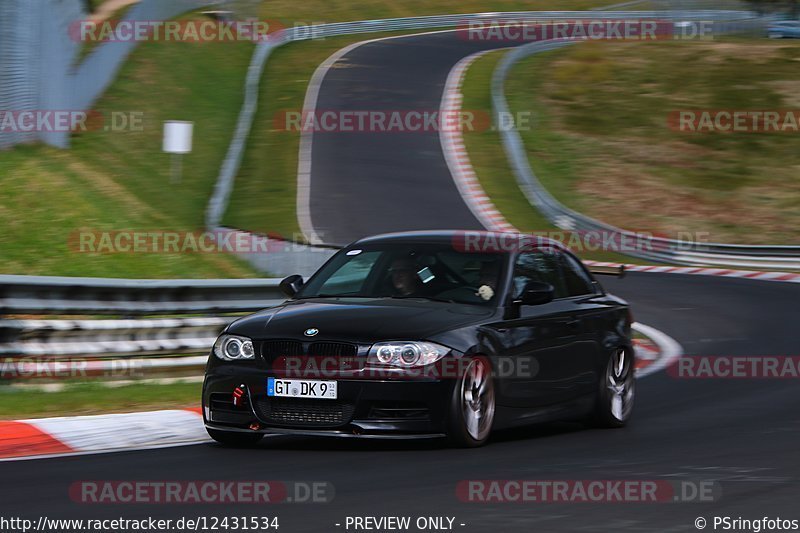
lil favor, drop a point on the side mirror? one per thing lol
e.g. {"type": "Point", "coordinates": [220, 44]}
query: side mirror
{"type": "Point", "coordinates": [536, 293]}
{"type": "Point", "coordinates": [292, 285]}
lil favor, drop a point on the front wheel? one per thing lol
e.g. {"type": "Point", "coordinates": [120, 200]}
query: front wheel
{"type": "Point", "coordinates": [614, 403]}
{"type": "Point", "coordinates": [472, 406]}
{"type": "Point", "coordinates": [235, 439]}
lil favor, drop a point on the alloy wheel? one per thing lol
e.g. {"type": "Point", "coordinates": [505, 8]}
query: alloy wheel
{"type": "Point", "coordinates": [477, 399]}
{"type": "Point", "coordinates": [620, 384]}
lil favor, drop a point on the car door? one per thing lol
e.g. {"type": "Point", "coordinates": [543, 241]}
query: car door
{"type": "Point", "coordinates": [542, 349]}
{"type": "Point", "coordinates": [586, 315]}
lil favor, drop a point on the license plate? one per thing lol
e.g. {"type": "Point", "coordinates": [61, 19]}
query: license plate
{"type": "Point", "coordinates": [301, 388]}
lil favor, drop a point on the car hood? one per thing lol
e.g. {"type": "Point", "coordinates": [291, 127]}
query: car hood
{"type": "Point", "coordinates": [359, 320]}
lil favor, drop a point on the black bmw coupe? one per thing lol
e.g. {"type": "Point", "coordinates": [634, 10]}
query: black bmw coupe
{"type": "Point", "coordinates": [426, 334]}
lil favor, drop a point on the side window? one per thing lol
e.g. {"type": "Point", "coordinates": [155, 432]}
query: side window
{"type": "Point", "coordinates": [538, 265]}
{"type": "Point", "coordinates": [577, 281]}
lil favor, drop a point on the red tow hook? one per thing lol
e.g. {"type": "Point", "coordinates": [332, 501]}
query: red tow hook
{"type": "Point", "coordinates": [239, 395]}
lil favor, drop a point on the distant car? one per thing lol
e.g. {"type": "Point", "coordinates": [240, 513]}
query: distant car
{"type": "Point", "coordinates": [426, 334]}
{"type": "Point", "coordinates": [784, 29]}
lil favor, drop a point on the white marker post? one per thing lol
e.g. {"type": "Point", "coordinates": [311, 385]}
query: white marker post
{"type": "Point", "coordinates": [178, 141]}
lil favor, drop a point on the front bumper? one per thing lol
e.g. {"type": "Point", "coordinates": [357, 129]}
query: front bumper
{"type": "Point", "coordinates": [367, 408]}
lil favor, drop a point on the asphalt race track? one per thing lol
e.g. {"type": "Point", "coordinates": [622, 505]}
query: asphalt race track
{"type": "Point", "coordinates": [362, 183]}
{"type": "Point", "coordinates": [742, 434]}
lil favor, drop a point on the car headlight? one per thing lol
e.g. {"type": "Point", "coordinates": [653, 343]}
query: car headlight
{"type": "Point", "coordinates": [406, 354]}
{"type": "Point", "coordinates": [234, 348]}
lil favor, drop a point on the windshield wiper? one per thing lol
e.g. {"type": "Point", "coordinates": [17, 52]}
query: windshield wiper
{"type": "Point", "coordinates": [323, 295]}
{"type": "Point", "coordinates": [431, 298]}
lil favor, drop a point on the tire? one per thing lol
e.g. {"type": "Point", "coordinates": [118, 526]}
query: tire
{"type": "Point", "coordinates": [616, 390]}
{"type": "Point", "coordinates": [472, 406]}
{"type": "Point", "coordinates": [235, 439]}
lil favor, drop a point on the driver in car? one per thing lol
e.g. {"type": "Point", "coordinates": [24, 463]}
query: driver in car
{"type": "Point", "coordinates": [404, 276]}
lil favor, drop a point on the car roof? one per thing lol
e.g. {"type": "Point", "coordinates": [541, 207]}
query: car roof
{"type": "Point", "coordinates": [459, 236]}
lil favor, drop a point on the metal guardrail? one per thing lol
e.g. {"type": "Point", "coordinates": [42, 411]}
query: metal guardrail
{"type": "Point", "coordinates": [114, 369]}
{"type": "Point", "coordinates": [97, 338]}
{"type": "Point", "coordinates": [31, 346]}
{"type": "Point", "coordinates": [90, 338]}
{"type": "Point", "coordinates": [101, 296]}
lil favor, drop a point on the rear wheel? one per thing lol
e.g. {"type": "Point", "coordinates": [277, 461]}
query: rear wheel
{"type": "Point", "coordinates": [235, 439]}
{"type": "Point", "coordinates": [472, 406]}
{"type": "Point", "coordinates": [616, 390]}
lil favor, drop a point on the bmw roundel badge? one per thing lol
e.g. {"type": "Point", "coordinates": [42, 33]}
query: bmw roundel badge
{"type": "Point", "coordinates": [310, 332]}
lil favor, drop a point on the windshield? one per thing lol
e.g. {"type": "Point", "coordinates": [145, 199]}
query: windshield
{"type": "Point", "coordinates": [428, 271]}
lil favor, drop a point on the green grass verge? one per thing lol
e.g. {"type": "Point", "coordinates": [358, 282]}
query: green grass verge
{"type": "Point", "coordinates": [93, 398]}
{"type": "Point", "coordinates": [493, 170]}
{"type": "Point", "coordinates": [486, 151]}
{"type": "Point", "coordinates": [602, 145]}
{"type": "Point", "coordinates": [347, 10]}
{"type": "Point", "coordinates": [121, 180]}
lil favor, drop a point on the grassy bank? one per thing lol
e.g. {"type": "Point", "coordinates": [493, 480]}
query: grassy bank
{"type": "Point", "coordinates": [120, 180]}
{"type": "Point", "coordinates": [493, 170]}
{"type": "Point", "coordinates": [93, 398]}
{"type": "Point", "coordinates": [345, 10]}
{"type": "Point", "coordinates": [602, 143]}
